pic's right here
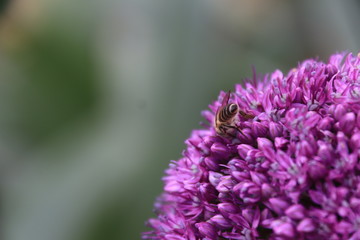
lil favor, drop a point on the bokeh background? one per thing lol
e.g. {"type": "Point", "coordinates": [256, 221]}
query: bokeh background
{"type": "Point", "coordinates": [97, 97]}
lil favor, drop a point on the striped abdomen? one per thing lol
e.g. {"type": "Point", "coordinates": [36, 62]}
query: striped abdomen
{"type": "Point", "coordinates": [227, 113]}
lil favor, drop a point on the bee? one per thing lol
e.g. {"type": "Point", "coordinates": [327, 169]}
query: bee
{"type": "Point", "coordinates": [226, 115]}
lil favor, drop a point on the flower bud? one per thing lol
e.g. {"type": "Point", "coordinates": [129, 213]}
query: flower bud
{"type": "Point", "coordinates": [283, 228]}
{"type": "Point", "coordinates": [281, 142]}
{"type": "Point", "coordinates": [243, 150]}
{"type": "Point", "coordinates": [220, 221]}
{"type": "Point", "coordinates": [264, 143]}
{"type": "Point", "coordinates": [347, 123]}
{"type": "Point", "coordinates": [211, 163]}
{"type": "Point", "coordinates": [306, 225]}
{"type": "Point", "coordinates": [214, 178]}
{"type": "Point", "coordinates": [278, 205]}
{"type": "Point", "coordinates": [248, 191]}
{"type": "Point", "coordinates": [339, 111]}
{"type": "Point", "coordinates": [295, 211]}
{"type": "Point", "coordinates": [207, 230]}
{"type": "Point", "coordinates": [275, 129]}
{"type": "Point", "coordinates": [259, 129]}
{"type": "Point", "coordinates": [325, 123]}
{"type": "Point", "coordinates": [227, 208]}
{"type": "Point", "coordinates": [317, 170]}
{"type": "Point", "coordinates": [225, 185]}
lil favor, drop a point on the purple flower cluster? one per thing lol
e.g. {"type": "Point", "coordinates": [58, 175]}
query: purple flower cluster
{"type": "Point", "coordinates": [293, 172]}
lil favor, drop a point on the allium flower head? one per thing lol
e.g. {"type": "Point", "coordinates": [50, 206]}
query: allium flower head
{"type": "Point", "coordinates": [292, 172]}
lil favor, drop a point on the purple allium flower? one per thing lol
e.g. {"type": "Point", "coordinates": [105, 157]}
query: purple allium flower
{"type": "Point", "coordinates": [292, 172]}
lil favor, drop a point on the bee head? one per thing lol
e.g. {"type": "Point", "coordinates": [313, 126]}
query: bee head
{"type": "Point", "coordinates": [233, 108]}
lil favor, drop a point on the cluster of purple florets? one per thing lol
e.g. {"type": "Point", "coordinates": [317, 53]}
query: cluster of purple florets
{"type": "Point", "coordinates": [293, 172]}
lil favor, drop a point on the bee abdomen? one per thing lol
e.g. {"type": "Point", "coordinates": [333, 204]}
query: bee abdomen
{"type": "Point", "coordinates": [228, 112]}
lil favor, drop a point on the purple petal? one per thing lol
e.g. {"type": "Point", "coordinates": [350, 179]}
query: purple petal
{"type": "Point", "coordinates": [214, 178]}
{"type": "Point", "coordinates": [256, 218]}
{"type": "Point", "coordinates": [220, 221]}
{"type": "Point", "coordinates": [325, 123]}
{"type": "Point", "coordinates": [317, 170]}
{"type": "Point", "coordinates": [225, 185]}
{"type": "Point", "coordinates": [259, 129]}
{"type": "Point", "coordinates": [243, 149]}
{"type": "Point", "coordinates": [240, 176]}
{"type": "Point", "coordinates": [317, 197]}
{"type": "Point", "coordinates": [173, 186]}
{"type": "Point", "coordinates": [283, 228]}
{"type": "Point", "coordinates": [280, 142]}
{"type": "Point", "coordinates": [306, 225]}
{"type": "Point", "coordinates": [347, 123]}
{"type": "Point", "coordinates": [207, 230]}
{"type": "Point", "coordinates": [257, 178]}
{"type": "Point", "coordinates": [266, 190]}
{"type": "Point", "coordinates": [278, 205]}
{"type": "Point", "coordinates": [312, 119]}
{"type": "Point", "coordinates": [344, 227]}
{"type": "Point", "coordinates": [295, 211]}
{"type": "Point", "coordinates": [211, 163]}
{"type": "Point", "coordinates": [226, 208]}
{"type": "Point", "coordinates": [339, 112]}
{"type": "Point", "coordinates": [219, 149]}
{"type": "Point", "coordinates": [355, 141]}
{"type": "Point", "coordinates": [264, 143]}
{"type": "Point", "coordinates": [275, 130]}
{"type": "Point", "coordinates": [239, 220]}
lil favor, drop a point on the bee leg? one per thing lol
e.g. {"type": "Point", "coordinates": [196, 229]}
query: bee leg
{"type": "Point", "coordinates": [246, 115]}
{"type": "Point", "coordinates": [237, 129]}
{"type": "Point", "coordinates": [224, 130]}
{"type": "Point", "coordinates": [242, 133]}
{"type": "Point", "coordinates": [231, 135]}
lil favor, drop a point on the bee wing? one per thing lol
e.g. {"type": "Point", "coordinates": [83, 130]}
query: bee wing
{"type": "Point", "coordinates": [246, 115]}
{"type": "Point", "coordinates": [225, 99]}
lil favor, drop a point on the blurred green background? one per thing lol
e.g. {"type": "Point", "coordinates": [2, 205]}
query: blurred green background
{"type": "Point", "coordinates": [97, 97]}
